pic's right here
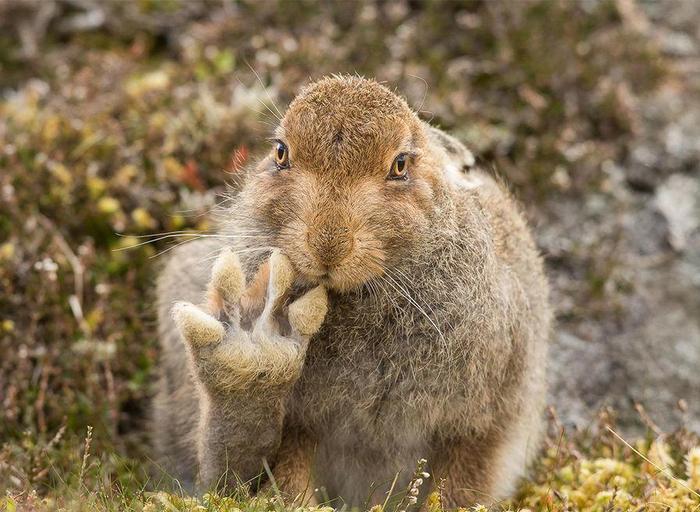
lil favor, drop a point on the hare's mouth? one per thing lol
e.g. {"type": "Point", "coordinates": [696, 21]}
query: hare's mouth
{"type": "Point", "coordinates": [341, 278]}
{"type": "Point", "coordinates": [342, 281]}
{"type": "Point", "coordinates": [329, 279]}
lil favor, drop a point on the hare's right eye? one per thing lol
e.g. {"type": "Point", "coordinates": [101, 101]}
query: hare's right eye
{"type": "Point", "coordinates": [281, 155]}
{"type": "Point", "coordinates": [399, 168]}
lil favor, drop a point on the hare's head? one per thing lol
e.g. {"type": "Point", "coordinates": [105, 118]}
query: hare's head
{"type": "Point", "coordinates": [348, 187]}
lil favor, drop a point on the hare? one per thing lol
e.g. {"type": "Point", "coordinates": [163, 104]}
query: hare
{"type": "Point", "coordinates": [376, 300]}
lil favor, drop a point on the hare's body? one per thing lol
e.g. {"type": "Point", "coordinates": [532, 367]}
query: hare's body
{"type": "Point", "coordinates": [443, 359]}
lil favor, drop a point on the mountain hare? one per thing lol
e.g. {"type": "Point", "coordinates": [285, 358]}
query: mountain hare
{"type": "Point", "coordinates": [370, 299]}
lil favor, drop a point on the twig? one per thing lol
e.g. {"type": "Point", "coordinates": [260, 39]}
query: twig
{"type": "Point", "coordinates": [86, 455]}
{"type": "Point", "coordinates": [76, 301]}
{"type": "Point", "coordinates": [665, 471]}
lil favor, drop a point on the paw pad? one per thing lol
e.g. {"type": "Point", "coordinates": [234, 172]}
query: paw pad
{"type": "Point", "coordinates": [198, 327]}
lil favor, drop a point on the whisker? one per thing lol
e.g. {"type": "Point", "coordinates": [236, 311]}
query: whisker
{"type": "Point", "coordinates": [268, 123]}
{"type": "Point", "coordinates": [269, 110]}
{"type": "Point", "coordinates": [212, 257]}
{"type": "Point", "coordinates": [378, 282]}
{"type": "Point", "coordinates": [265, 89]}
{"type": "Point", "coordinates": [185, 231]}
{"type": "Point", "coordinates": [406, 279]}
{"type": "Point", "coordinates": [172, 247]}
{"type": "Point", "coordinates": [425, 91]}
{"type": "Point", "coordinates": [391, 281]}
{"type": "Point", "coordinates": [195, 236]}
{"type": "Point", "coordinates": [276, 116]}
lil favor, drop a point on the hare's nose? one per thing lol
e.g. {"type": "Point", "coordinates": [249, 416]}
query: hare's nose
{"type": "Point", "coordinates": [330, 244]}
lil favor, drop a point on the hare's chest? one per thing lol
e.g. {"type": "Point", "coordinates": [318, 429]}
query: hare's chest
{"type": "Point", "coordinates": [361, 393]}
{"type": "Point", "coordinates": [366, 371]}
{"type": "Point", "coordinates": [361, 414]}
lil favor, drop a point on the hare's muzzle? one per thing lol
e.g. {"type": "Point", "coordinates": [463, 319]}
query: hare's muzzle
{"type": "Point", "coordinates": [329, 244]}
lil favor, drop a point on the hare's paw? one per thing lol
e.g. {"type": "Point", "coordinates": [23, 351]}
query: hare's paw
{"type": "Point", "coordinates": [220, 351]}
{"type": "Point", "coordinates": [268, 353]}
{"type": "Point", "coordinates": [282, 334]}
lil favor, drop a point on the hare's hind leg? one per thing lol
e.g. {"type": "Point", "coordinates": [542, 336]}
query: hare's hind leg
{"type": "Point", "coordinates": [292, 470]}
{"type": "Point", "coordinates": [486, 469]}
{"type": "Point", "coordinates": [465, 468]}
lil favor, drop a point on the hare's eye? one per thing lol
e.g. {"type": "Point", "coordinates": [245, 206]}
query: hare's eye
{"type": "Point", "coordinates": [399, 168]}
{"type": "Point", "coordinates": [281, 155]}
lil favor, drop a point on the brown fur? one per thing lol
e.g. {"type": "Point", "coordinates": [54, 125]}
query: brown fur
{"type": "Point", "coordinates": [435, 337]}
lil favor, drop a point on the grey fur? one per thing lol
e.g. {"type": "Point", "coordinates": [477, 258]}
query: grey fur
{"type": "Point", "coordinates": [383, 385]}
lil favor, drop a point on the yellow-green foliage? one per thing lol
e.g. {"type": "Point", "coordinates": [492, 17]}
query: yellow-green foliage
{"type": "Point", "coordinates": [582, 472]}
{"type": "Point", "coordinates": [646, 477]}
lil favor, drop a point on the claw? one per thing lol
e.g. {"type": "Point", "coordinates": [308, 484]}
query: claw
{"type": "Point", "coordinates": [227, 280]}
{"type": "Point", "coordinates": [197, 327]}
{"type": "Point", "coordinates": [281, 277]}
{"type": "Point", "coordinates": [306, 314]}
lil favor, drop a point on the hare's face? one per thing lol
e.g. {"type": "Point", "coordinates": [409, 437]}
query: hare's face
{"type": "Point", "coordinates": [347, 190]}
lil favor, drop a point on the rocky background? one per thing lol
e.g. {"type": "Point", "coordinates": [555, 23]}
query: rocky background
{"type": "Point", "coordinates": [123, 119]}
{"type": "Point", "coordinates": [632, 246]}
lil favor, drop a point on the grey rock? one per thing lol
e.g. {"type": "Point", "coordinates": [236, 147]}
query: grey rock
{"type": "Point", "coordinates": [678, 199]}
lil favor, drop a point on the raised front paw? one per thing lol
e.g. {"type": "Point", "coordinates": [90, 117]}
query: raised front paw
{"type": "Point", "coordinates": [230, 352]}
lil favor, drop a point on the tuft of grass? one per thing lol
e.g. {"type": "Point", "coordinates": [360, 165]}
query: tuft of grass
{"type": "Point", "coordinates": [591, 471]}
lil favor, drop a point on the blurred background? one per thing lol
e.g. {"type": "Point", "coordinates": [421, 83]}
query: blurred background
{"type": "Point", "coordinates": [120, 119]}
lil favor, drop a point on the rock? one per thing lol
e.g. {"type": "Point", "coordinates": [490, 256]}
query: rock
{"type": "Point", "coordinates": [678, 199]}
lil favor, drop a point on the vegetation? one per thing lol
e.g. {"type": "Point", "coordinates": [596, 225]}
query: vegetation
{"type": "Point", "coordinates": [133, 127]}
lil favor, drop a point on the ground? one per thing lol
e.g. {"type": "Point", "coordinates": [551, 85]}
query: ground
{"type": "Point", "coordinates": [120, 120]}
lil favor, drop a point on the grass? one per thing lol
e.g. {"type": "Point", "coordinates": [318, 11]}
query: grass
{"type": "Point", "coordinates": [110, 135]}
{"type": "Point", "coordinates": [585, 471]}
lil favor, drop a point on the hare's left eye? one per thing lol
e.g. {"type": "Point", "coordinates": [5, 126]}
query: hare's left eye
{"type": "Point", "coordinates": [281, 155]}
{"type": "Point", "coordinates": [399, 168]}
